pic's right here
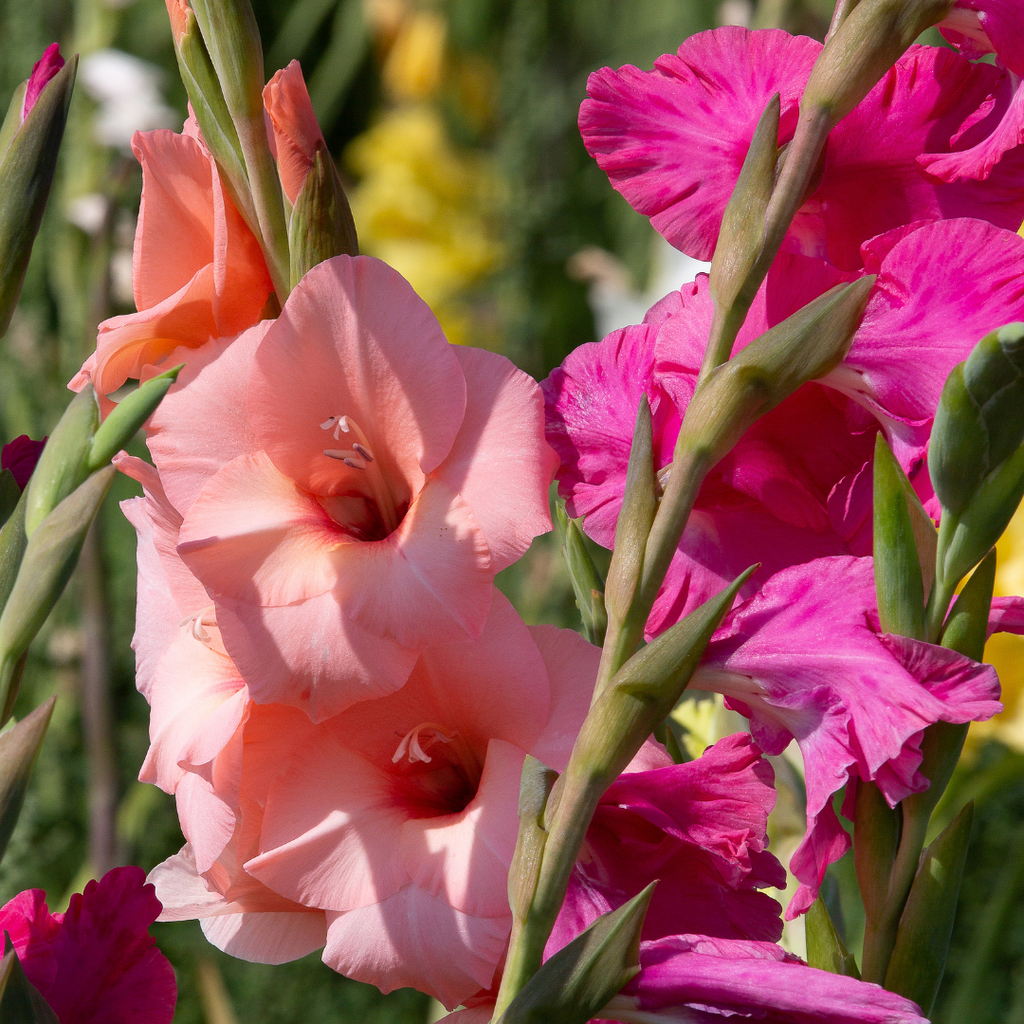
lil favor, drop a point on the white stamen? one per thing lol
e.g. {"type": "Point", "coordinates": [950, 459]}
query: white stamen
{"type": "Point", "coordinates": [328, 423]}
{"type": "Point", "coordinates": [410, 743]}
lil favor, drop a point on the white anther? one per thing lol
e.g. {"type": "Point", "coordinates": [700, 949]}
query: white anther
{"type": "Point", "coordinates": [362, 452]}
{"type": "Point", "coordinates": [411, 743]}
{"type": "Point", "coordinates": [328, 423]}
{"type": "Point", "coordinates": [347, 456]}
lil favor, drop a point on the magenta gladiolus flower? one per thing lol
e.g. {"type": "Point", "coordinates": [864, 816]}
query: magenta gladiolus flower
{"type": "Point", "coordinates": [95, 963]}
{"type": "Point", "coordinates": [797, 486]}
{"type": "Point", "coordinates": [804, 659]}
{"type": "Point", "coordinates": [699, 828]}
{"type": "Point", "coordinates": [42, 71]}
{"type": "Point", "coordinates": [672, 140]}
{"type": "Point", "coordinates": [349, 485]}
{"type": "Point", "coordinates": [694, 979]}
{"type": "Point", "coordinates": [20, 457]}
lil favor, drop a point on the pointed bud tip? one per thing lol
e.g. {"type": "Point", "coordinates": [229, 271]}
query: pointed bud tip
{"type": "Point", "coordinates": [42, 71]}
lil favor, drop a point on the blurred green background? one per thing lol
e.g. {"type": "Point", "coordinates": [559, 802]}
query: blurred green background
{"type": "Point", "coordinates": [454, 125]}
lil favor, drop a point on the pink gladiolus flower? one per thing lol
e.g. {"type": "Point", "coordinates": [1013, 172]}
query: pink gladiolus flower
{"type": "Point", "coordinates": [198, 271]}
{"type": "Point", "coordinates": [699, 828]}
{"type": "Point", "coordinates": [394, 821]}
{"type": "Point", "coordinates": [798, 485]}
{"type": "Point", "coordinates": [349, 485]}
{"type": "Point", "coordinates": [672, 140]}
{"type": "Point", "coordinates": [42, 71]}
{"type": "Point", "coordinates": [95, 963]}
{"type": "Point", "coordinates": [296, 136]}
{"type": "Point", "coordinates": [804, 659]}
{"type": "Point", "coordinates": [20, 457]}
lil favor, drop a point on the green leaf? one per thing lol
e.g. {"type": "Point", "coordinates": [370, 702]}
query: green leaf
{"type": "Point", "coordinates": [898, 583]}
{"type": "Point", "coordinates": [50, 557]}
{"type": "Point", "coordinates": [825, 949]}
{"type": "Point", "coordinates": [26, 174]}
{"type": "Point", "coordinates": [20, 1001]}
{"type": "Point", "coordinates": [922, 942]}
{"type": "Point", "coordinates": [580, 979]}
{"type": "Point", "coordinates": [62, 462]}
{"type": "Point", "coordinates": [10, 495]}
{"type": "Point", "coordinates": [12, 549]}
{"type": "Point", "coordinates": [19, 747]}
{"type": "Point", "coordinates": [127, 417]}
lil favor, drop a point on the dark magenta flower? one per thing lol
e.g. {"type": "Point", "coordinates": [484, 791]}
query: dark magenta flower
{"type": "Point", "coordinates": [20, 457]}
{"type": "Point", "coordinates": [95, 963]}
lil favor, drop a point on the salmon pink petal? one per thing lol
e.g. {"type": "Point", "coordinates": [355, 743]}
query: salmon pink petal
{"type": "Point", "coordinates": [203, 421]}
{"type": "Point", "coordinates": [310, 655]}
{"type": "Point", "coordinates": [296, 130]}
{"type": "Point", "coordinates": [108, 968]}
{"type": "Point", "coordinates": [331, 847]}
{"type": "Point", "coordinates": [645, 128]}
{"type": "Point", "coordinates": [125, 345]}
{"type": "Point", "coordinates": [267, 938]}
{"type": "Point", "coordinates": [571, 665]}
{"type": "Point", "coordinates": [464, 858]}
{"type": "Point", "coordinates": [191, 684]}
{"type": "Point", "coordinates": [499, 461]}
{"type": "Point", "coordinates": [413, 939]}
{"type": "Point", "coordinates": [253, 535]}
{"type": "Point", "coordinates": [212, 819]}
{"type": "Point", "coordinates": [429, 582]}
{"type": "Point", "coordinates": [354, 340]}
{"type": "Point", "coordinates": [177, 176]}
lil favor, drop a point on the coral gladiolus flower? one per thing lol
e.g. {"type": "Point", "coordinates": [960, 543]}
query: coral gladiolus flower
{"type": "Point", "coordinates": [804, 659]}
{"type": "Point", "coordinates": [700, 829]}
{"type": "Point", "coordinates": [397, 818]}
{"type": "Point", "coordinates": [350, 483]}
{"type": "Point", "coordinates": [672, 140]}
{"type": "Point", "coordinates": [198, 272]}
{"type": "Point", "coordinates": [296, 136]}
{"type": "Point", "coordinates": [95, 963]}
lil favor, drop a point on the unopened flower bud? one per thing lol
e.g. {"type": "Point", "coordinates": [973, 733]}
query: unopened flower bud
{"type": "Point", "coordinates": [29, 142]}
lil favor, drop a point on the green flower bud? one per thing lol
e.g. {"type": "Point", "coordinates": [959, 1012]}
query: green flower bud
{"type": "Point", "coordinates": [19, 748]}
{"type": "Point", "coordinates": [586, 581]}
{"type": "Point", "coordinates": [825, 949]}
{"type": "Point", "coordinates": [29, 158]}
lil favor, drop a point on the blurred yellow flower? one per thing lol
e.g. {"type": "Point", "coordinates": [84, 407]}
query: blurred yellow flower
{"type": "Point", "coordinates": [415, 64]}
{"type": "Point", "coordinates": [1004, 650]}
{"type": "Point", "coordinates": [426, 209]}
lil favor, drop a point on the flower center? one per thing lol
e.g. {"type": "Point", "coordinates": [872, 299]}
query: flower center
{"type": "Point", "coordinates": [436, 770]}
{"type": "Point", "coordinates": [359, 457]}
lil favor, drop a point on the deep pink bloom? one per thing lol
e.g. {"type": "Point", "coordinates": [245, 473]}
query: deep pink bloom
{"type": "Point", "coordinates": [804, 659]}
{"type": "Point", "coordinates": [797, 486]}
{"type": "Point", "coordinates": [349, 484]}
{"type": "Point", "coordinates": [694, 979]}
{"type": "Point", "coordinates": [699, 828]}
{"type": "Point", "coordinates": [95, 963]}
{"type": "Point", "coordinates": [20, 457]}
{"type": "Point", "coordinates": [42, 71]}
{"type": "Point", "coordinates": [672, 140]}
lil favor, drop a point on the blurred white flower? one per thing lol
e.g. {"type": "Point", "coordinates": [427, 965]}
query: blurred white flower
{"type": "Point", "coordinates": [613, 300]}
{"type": "Point", "coordinates": [88, 211]}
{"type": "Point", "coordinates": [735, 12]}
{"type": "Point", "coordinates": [127, 90]}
